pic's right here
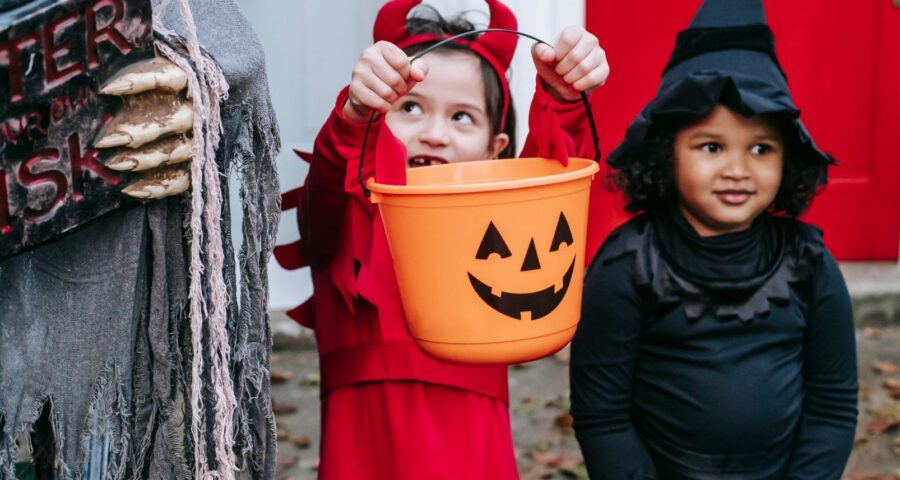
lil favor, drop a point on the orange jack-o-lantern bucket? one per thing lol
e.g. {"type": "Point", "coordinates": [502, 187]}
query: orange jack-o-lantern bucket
{"type": "Point", "coordinates": [489, 255]}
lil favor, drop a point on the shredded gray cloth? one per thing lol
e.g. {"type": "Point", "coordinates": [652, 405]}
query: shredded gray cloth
{"type": "Point", "coordinates": [95, 341]}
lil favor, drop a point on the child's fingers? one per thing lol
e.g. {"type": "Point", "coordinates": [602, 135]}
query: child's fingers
{"type": "Point", "coordinates": [418, 70]}
{"type": "Point", "coordinates": [543, 53]}
{"type": "Point", "coordinates": [587, 68]}
{"type": "Point", "coordinates": [544, 60]}
{"type": "Point", "coordinates": [594, 79]}
{"type": "Point", "coordinates": [379, 87]}
{"type": "Point", "coordinates": [362, 97]}
{"type": "Point", "coordinates": [395, 59]}
{"type": "Point", "coordinates": [571, 61]}
{"type": "Point", "coordinates": [385, 74]}
{"type": "Point", "coordinates": [548, 74]}
{"type": "Point", "coordinates": [568, 39]}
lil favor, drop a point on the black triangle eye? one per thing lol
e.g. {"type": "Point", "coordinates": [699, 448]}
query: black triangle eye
{"type": "Point", "coordinates": [492, 243]}
{"type": "Point", "coordinates": [563, 234]}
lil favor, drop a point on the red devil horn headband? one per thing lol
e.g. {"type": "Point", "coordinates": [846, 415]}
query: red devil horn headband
{"type": "Point", "coordinates": [496, 48]}
{"type": "Point", "coordinates": [390, 25]}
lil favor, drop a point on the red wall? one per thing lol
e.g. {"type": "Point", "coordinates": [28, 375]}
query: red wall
{"type": "Point", "coordinates": [843, 65]}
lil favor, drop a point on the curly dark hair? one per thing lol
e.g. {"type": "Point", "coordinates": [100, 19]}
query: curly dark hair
{"type": "Point", "coordinates": [427, 20]}
{"type": "Point", "coordinates": [647, 177]}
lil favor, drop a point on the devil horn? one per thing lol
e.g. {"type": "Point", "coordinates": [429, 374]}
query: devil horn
{"type": "Point", "coordinates": [390, 25]}
{"type": "Point", "coordinates": [501, 45]}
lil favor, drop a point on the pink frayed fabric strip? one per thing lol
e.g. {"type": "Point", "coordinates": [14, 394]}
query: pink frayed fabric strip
{"type": "Point", "coordinates": [207, 89]}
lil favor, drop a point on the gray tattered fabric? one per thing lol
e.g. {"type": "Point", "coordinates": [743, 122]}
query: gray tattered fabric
{"type": "Point", "coordinates": [95, 348]}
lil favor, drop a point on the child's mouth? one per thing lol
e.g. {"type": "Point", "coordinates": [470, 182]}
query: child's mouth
{"type": "Point", "coordinates": [734, 197]}
{"type": "Point", "coordinates": [425, 161]}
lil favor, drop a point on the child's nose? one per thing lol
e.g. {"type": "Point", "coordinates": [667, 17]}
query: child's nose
{"type": "Point", "coordinates": [435, 133]}
{"type": "Point", "coordinates": [737, 167]}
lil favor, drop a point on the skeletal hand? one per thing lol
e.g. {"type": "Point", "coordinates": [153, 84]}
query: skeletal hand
{"type": "Point", "coordinates": [152, 132]}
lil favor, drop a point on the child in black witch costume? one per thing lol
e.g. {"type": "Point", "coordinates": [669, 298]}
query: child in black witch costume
{"type": "Point", "coordinates": [716, 339]}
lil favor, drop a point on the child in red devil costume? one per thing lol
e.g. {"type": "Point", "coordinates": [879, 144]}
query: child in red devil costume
{"type": "Point", "coordinates": [389, 411]}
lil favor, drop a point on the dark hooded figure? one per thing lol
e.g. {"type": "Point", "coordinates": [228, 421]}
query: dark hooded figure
{"type": "Point", "coordinates": [131, 348]}
{"type": "Point", "coordinates": [716, 339]}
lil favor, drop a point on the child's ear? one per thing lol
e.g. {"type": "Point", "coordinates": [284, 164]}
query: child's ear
{"type": "Point", "coordinates": [498, 144]}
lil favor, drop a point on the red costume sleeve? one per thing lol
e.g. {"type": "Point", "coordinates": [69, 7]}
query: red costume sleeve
{"type": "Point", "coordinates": [336, 223]}
{"type": "Point", "coordinates": [556, 129]}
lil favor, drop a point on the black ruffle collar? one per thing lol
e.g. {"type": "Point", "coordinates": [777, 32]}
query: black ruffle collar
{"type": "Point", "coordinates": [790, 249]}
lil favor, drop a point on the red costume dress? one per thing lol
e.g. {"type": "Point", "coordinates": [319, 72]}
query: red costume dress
{"type": "Point", "coordinates": [389, 411]}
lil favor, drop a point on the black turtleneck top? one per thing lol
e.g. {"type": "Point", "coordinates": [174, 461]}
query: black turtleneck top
{"type": "Point", "coordinates": [727, 357]}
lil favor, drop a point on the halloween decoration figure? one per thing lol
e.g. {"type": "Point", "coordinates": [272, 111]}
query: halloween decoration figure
{"type": "Point", "coordinates": [128, 346]}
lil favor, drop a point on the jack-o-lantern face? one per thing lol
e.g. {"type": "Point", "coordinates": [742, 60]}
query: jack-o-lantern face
{"type": "Point", "coordinates": [538, 303]}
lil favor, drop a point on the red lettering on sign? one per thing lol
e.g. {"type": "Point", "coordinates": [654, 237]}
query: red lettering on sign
{"type": "Point", "coordinates": [30, 125]}
{"type": "Point", "coordinates": [30, 179]}
{"type": "Point", "coordinates": [13, 50]}
{"type": "Point", "coordinates": [58, 110]}
{"type": "Point", "coordinates": [55, 73]}
{"type": "Point", "coordinates": [12, 131]}
{"type": "Point", "coordinates": [5, 227]}
{"type": "Point", "coordinates": [35, 121]}
{"type": "Point", "coordinates": [107, 33]}
{"type": "Point", "coordinates": [86, 163]}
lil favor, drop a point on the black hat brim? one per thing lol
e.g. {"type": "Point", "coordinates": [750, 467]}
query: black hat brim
{"type": "Point", "coordinates": [746, 81]}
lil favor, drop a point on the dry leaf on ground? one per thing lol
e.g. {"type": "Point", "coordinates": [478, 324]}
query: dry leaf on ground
{"type": "Point", "coordinates": [884, 367]}
{"type": "Point", "coordinates": [301, 441]}
{"type": "Point", "coordinates": [564, 423]}
{"type": "Point", "coordinates": [888, 412]}
{"type": "Point", "coordinates": [880, 426]}
{"type": "Point", "coordinates": [892, 385]}
{"type": "Point", "coordinates": [312, 464]}
{"type": "Point", "coordinates": [280, 376]}
{"type": "Point", "coordinates": [873, 333]}
{"type": "Point", "coordinates": [311, 380]}
{"type": "Point", "coordinates": [286, 461]}
{"type": "Point", "coordinates": [547, 458]}
{"type": "Point", "coordinates": [283, 408]}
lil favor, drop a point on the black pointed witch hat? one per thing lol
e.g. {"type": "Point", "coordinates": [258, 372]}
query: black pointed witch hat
{"type": "Point", "coordinates": [726, 56]}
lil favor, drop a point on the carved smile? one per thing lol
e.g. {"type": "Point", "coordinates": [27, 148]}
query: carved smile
{"type": "Point", "coordinates": [512, 305]}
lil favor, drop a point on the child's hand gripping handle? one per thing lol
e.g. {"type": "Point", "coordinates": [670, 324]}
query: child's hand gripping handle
{"type": "Point", "coordinates": [404, 83]}
{"type": "Point", "coordinates": [382, 75]}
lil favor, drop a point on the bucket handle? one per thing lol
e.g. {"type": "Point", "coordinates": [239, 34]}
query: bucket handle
{"type": "Point", "coordinates": [584, 97]}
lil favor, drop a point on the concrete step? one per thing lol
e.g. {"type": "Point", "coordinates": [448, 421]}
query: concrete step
{"type": "Point", "coordinates": [875, 291]}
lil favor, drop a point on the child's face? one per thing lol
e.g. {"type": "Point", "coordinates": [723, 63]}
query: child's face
{"type": "Point", "coordinates": [727, 170]}
{"type": "Point", "coordinates": [444, 118]}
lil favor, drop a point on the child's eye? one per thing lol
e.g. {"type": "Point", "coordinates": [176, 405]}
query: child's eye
{"type": "Point", "coordinates": [761, 149]}
{"type": "Point", "coordinates": [411, 108]}
{"type": "Point", "coordinates": [711, 147]}
{"type": "Point", "coordinates": [463, 117]}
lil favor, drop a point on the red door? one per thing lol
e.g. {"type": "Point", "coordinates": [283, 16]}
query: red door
{"type": "Point", "coordinates": [843, 65]}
